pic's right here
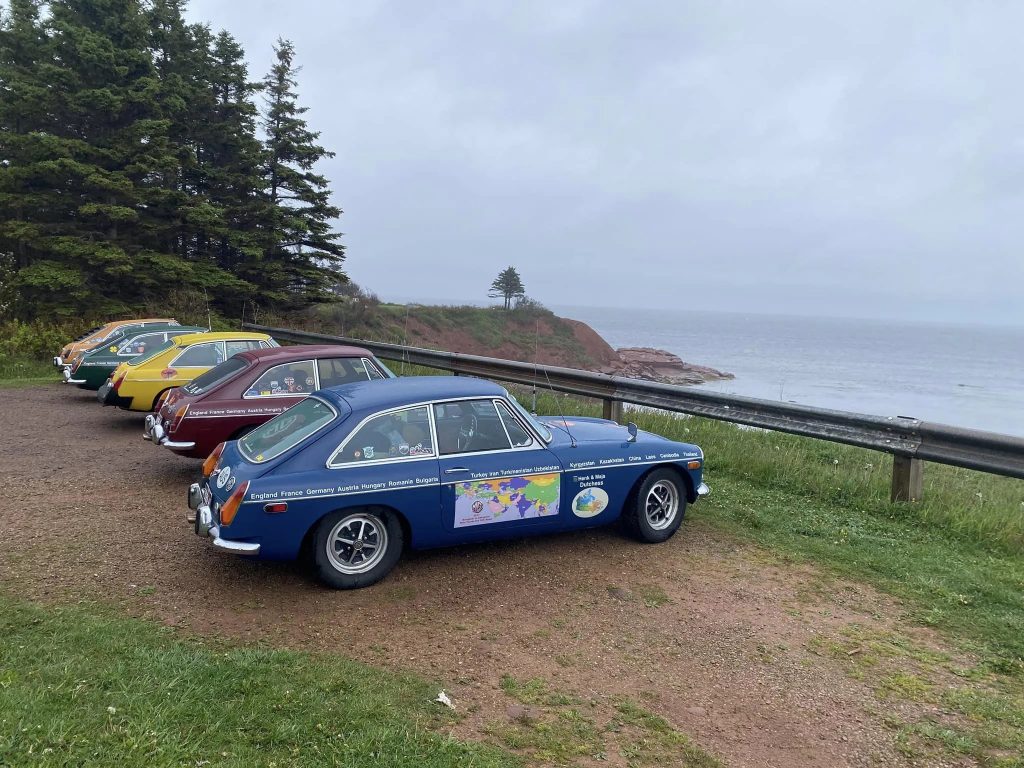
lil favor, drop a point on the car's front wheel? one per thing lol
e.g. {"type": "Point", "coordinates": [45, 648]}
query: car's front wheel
{"type": "Point", "coordinates": [355, 548]}
{"type": "Point", "coordinates": [657, 510]}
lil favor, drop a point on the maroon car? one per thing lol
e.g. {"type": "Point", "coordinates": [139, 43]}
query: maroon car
{"type": "Point", "coordinates": [250, 388]}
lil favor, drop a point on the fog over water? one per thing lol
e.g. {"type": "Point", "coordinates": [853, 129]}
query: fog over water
{"type": "Point", "coordinates": [965, 376]}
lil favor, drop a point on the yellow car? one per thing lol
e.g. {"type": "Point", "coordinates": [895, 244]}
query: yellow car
{"type": "Point", "coordinates": [141, 383]}
{"type": "Point", "coordinates": [75, 349]}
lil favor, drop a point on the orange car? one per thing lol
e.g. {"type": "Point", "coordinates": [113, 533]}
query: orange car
{"type": "Point", "coordinates": [75, 349]}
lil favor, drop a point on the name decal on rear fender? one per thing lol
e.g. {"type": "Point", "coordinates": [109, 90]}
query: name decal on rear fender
{"type": "Point", "coordinates": [350, 489]}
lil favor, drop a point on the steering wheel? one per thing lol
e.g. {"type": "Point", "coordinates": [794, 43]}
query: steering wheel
{"type": "Point", "coordinates": [467, 431]}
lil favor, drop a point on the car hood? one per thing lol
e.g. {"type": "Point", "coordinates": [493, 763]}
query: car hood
{"type": "Point", "coordinates": [584, 429]}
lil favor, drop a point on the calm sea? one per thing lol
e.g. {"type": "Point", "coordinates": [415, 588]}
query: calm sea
{"type": "Point", "coordinates": [965, 376]}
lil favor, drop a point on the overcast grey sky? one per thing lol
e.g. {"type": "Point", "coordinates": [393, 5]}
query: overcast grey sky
{"type": "Point", "coordinates": [862, 159]}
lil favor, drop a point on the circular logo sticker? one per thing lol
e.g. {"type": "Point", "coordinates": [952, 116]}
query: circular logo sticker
{"type": "Point", "coordinates": [589, 502]}
{"type": "Point", "coordinates": [222, 476]}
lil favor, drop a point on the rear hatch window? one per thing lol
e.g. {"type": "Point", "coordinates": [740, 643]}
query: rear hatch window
{"type": "Point", "coordinates": [270, 440]}
{"type": "Point", "coordinates": [215, 376]}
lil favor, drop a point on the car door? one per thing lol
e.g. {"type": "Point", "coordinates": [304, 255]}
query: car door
{"type": "Point", "coordinates": [389, 459]}
{"type": "Point", "coordinates": [497, 478]}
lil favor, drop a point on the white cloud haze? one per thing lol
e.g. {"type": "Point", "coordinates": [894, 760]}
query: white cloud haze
{"type": "Point", "coordinates": [798, 157]}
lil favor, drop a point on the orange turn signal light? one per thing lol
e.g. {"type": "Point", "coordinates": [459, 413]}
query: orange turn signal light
{"type": "Point", "coordinates": [230, 508]}
{"type": "Point", "coordinates": [693, 465]}
{"type": "Point", "coordinates": [211, 461]}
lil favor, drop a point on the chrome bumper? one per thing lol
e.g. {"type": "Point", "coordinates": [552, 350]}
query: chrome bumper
{"type": "Point", "coordinates": [203, 521]}
{"type": "Point", "coordinates": [703, 489]}
{"type": "Point", "coordinates": [66, 373]}
{"type": "Point", "coordinates": [153, 431]}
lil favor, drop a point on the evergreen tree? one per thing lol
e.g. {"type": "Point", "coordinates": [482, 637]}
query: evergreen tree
{"type": "Point", "coordinates": [30, 163]}
{"type": "Point", "coordinates": [507, 285]}
{"type": "Point", "coordinates": [302, 256]}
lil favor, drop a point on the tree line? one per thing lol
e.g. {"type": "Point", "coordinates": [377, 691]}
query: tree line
{"type": "Point", "coordinates": [137, 157]}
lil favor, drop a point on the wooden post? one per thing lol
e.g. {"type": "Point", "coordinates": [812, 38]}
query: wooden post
{"type": "Point", "coordinates": [907, 478]}
{"type": "Point", "coordinates": [613, 410]}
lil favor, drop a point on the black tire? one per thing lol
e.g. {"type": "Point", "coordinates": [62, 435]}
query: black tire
{"type": "Point", "coordinates": [158, 400]}
{"type": "Point", "coordinates": [339, 565]}
{"type": "Point", "coordinates": [656, 511]}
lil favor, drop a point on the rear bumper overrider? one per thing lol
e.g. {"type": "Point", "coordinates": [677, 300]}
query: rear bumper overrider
{"type": "Point", "coordinates": [203, 519]}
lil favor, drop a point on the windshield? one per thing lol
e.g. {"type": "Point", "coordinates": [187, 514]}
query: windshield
{"type": "Point", "coordinates": [152, 353]}
{"type": "Point", "coordinates": [543, 431]}
{"type": "Point", "coordinates": [270, 440]}
{"type": "Point", "coordinates": [215, 376]}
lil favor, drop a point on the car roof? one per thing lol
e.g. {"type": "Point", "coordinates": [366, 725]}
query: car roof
{"type": "Point", "coordinates": [303, 351]}
{"type": "Point", "coordinates": [195, 338]}
{"type": "Point", "coordinates": [392, 393]}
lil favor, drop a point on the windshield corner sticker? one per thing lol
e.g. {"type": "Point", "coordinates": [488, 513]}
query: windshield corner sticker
{"type": "Point", "coordinates": [504, 499]}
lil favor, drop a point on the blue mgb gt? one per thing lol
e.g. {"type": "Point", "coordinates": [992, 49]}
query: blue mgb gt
{"type": "Point", "coordinates": [354, 473]}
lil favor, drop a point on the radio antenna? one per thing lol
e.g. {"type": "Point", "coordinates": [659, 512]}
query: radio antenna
{"type": "Point", "coordinates": [561, 414]}
{"type": "Point", "coordinates": [536, 356]}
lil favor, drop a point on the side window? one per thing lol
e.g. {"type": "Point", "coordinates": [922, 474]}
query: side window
{"type": "Point", "coordinates": [395, 435]}
{"type": "Point", "coordinates": [234, 347]}
{"type": "Point", "coordinates": [371, 370]}
{"type": "Point", "coordinates": [469, 426]}
{"type": "Point", "coordinates": [286, 379]}
{"type": "Point", "coordinates": [200, 356]}
{"type": "Point", "coordinates": [516, 431]}
{"type": "Point", "coordinates": [341, 370]}
{"type": "Point", "coordinates": [140, 344]}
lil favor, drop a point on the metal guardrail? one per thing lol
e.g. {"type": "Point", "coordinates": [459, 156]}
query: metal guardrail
{"type": "Point", "coordinates": [910, 441]}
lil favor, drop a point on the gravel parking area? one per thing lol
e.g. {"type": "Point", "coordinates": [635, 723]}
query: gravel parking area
{"type": "Point", "coordinates": [716, 637]}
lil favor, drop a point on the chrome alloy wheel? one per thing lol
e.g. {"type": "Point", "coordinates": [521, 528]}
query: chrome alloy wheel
{"type": "Point", "coordinates": [357, 543]}
{"type": "Point", "coordinates": [661, 505]}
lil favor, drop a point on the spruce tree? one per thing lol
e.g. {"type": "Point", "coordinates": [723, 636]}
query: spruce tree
{"type": "Point", "coordinates": [31, 170]}
{"type": "Point", "coordinates": [302, 257]}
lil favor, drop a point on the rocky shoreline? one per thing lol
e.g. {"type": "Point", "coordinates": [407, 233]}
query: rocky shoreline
{"type": "Point", "coordinates": [659, 365]}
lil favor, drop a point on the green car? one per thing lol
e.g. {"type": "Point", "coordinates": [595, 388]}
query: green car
{"type": "Point", "coordinates": [94, 367]}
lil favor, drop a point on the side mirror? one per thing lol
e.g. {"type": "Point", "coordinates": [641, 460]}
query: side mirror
{"type": "Point", "coordinates": [631, 428]}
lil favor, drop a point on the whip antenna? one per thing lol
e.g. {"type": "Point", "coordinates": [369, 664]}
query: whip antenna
{"type": "Point", "coordinates": [561, 414]}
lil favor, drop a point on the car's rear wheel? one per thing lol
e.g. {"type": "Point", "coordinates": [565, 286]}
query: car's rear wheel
{"type": "Point", "coordinates": [657, 509]}
{"type": "Point", "coordinates": [354, 548]}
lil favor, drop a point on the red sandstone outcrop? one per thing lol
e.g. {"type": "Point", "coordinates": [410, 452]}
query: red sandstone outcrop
{"type": "Point", "coordinates": [659, 365]}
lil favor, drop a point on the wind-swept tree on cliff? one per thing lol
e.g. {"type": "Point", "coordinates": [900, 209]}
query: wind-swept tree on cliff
{"type": "Point", "coordinates": [302, 256]}
{"type": "Point", "coordinates": [508, 286]}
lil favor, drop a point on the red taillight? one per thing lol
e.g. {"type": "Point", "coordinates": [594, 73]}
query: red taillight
{"type": "Point", "coordinates": [76, 365]}
{"type": "Point", "coordinates": [211, 461]}
{"type": "Point", "coordinates": [117, 382]}
{"type": "Point", "coordinates": [227, 512]}
{"type": "Point", "coordinates": [179, 416]}
{"type": "Point", "coordinates": [275, 508]}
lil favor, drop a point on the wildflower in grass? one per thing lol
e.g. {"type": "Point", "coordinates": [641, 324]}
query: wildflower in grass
{"type": "Point", "coordinates": [112, 710]}
{"type": "Point", "coordinates": [835, 462]}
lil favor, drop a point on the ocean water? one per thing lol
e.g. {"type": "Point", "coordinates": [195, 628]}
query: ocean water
{"type": "Point", "coordinates": [965, 376]}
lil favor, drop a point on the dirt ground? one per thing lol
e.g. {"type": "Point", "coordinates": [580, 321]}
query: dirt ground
{"type": "Point", "coordinates": [715, 636]}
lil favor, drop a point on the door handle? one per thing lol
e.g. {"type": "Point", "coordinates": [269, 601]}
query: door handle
{"type": "Point", "coordinates": [453, 470]}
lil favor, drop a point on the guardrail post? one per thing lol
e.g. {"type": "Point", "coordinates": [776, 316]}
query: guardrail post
{"type": "Point", "coordinates": [907, 478]}
{"type": "Point", "coordinates": [612, 410]}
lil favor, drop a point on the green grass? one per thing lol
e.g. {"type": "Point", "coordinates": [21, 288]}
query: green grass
{"type": "Point", "coordinates": [956, 557]}
{"type": "Point", "coordinates": [556, 728]}
{"type": "Point", "coordinates": [24, 372]}
{"type": "Point", "coordinates": [79, 687]}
